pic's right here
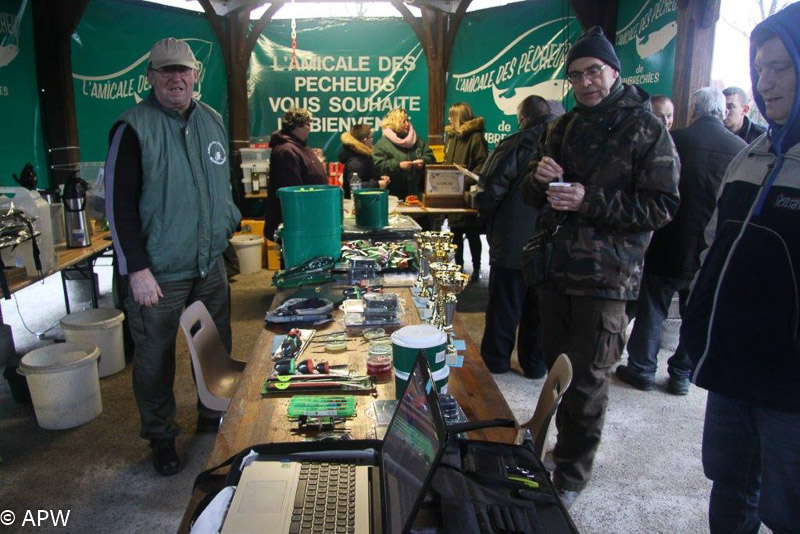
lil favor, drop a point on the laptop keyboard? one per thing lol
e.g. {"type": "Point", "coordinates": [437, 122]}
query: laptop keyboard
{"type": "Point", "coordinates": [325, 500]}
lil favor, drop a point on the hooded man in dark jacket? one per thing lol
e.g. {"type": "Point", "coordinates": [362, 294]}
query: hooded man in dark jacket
{"type": "Point", "coordinates": [741, 323]}
{"type": "Point", "coordinates": [621, 173]}
{"type": "Point", "coordinates": [673, 257]}
{"type": "Point", "coordinates": [510, 223]}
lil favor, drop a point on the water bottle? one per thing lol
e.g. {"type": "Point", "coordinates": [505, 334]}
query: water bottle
{"type": "Point", "coordinates": [255, 179]}
{"type": "Point", "coordinates": [355, 183]}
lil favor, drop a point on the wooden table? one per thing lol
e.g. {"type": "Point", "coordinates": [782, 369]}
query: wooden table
{"type": "Point", "coordinates": [252, 419]}
{"type": "Point", "coordinates": [422, 210]}
{"type": "Point", "coordinates": [70, 257]}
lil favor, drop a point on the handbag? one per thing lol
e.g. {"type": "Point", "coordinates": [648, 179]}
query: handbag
{"type": "Point", "coordinates": [537, 256]}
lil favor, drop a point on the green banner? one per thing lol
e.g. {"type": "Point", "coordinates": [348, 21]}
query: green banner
{"type": "Point", "coordinates": [346, 71]}
{"type": "Point", "coordinates": [505, 54]}
{"type": "Point", "coordinates": [646, 43]}
{"type": "Point", "coordinates": [110, 50]}
{"type": "Point", "coordinates": [21, 138]}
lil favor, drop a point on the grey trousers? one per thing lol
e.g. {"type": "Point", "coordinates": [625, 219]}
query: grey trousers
{"type": "Point", "coordinates": [591, 331]}
{"type": "Point", "coordinates": [154, 330]}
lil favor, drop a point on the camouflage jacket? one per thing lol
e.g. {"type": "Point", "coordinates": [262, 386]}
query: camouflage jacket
{"type": "Point", "coordinates": [629, 167]}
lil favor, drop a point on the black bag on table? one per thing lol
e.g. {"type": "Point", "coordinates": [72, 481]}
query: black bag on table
{"type": "Point", "coordinates": [475, 495]}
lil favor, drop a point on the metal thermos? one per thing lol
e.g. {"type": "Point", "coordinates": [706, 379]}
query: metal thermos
{"type": "Point", "coordinates": [75, 218]}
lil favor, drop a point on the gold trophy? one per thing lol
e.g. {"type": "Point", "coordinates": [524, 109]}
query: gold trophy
{"type": "Point", "coordinates": [435, 253]}
{"type": "Point", "coordinates": [443, 274]}
{"type": "Point", "coordinates": [423, 238]}
{"type": "Point", "coordinates": [449, 284]}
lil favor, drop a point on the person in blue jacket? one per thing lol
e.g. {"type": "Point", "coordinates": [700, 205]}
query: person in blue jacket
{"type": "Point", "coordinates": [741, 322]}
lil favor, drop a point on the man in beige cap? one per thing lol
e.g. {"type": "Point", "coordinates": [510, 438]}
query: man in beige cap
{"type": "Point", "coordinates": [171, 212]}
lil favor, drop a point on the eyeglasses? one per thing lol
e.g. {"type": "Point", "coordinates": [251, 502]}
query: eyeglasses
{"type": "Point", "coordinates": [169, 70]}
{"type": "Point", "coordinates": [576, 76]}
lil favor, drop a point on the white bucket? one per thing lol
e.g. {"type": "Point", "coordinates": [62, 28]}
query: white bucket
{"type": "Point", "coordinates": [248, 249]}
{"type": "Point", "coordinates": [64, 384]}
{"type": "Point", "coordinates": [101, 327]}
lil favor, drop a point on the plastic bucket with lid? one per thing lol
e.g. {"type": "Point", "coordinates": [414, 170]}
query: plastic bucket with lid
{"type": "Point", "coordinates": [371, 207]}
{"type": "Point", "coordinates": [249, 251]}
{"type": "Point", "coordinates": [409, 340]}
{"type": "Point", "coordinates": [101, 327]}
{"type": "Point", "coordinates": [312, 222]}
{"type": "Point", "coordinates": [64, 384]}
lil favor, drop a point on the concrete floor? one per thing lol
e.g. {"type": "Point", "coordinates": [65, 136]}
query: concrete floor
{"type": "Point", "coordinates": [647, 477]}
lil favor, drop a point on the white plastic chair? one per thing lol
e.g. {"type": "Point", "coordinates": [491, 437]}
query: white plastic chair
{"type": "Point", "coordinates": [216, 374]}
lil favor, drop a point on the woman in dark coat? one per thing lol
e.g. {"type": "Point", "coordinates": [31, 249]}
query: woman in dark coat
{"type": "Point", "coordinates": [466, 145]}
{"type": "Point", "coordinates": [291, 163]}
{"type": "Point", "coordinates": [356, 154]}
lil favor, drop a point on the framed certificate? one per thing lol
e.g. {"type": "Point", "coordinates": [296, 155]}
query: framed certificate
{"type": "Point", "coordinates": [443, 180]}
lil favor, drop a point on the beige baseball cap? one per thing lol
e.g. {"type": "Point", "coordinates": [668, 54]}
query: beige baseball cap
{"type": "Point", "coordinates": [171, 51]}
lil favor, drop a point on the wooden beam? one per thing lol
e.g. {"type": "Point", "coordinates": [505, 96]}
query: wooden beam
{"type": "Point", "coordinates": [693, 53]}
{"type": "Point", "coordinates": [54, 23]}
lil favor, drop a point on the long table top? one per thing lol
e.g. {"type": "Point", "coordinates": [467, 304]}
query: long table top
{"type": "Point", "coordinates": [422, 210]}
{"type": "Point", "coordinates": [69, 257]}
{"type": "Point", "coordinates": [253, 419]}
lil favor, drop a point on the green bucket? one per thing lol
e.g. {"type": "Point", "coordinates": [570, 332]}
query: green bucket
{"type": "Point", "coordinates": [409, 340]}
{"type": "Point", "coordinates": [371, 207]}
{"type": "Point", "coordinates": [312, 222]}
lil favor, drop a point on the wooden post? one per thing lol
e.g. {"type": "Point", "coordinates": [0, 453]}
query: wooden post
{"type": "Point", "coordinates": [694, 50]}
{"type": "Point", "coordinates": [601, 13]}
{"type": "Point", "coordinates": [54, 23]}
{"type": "Point", "coordinates": [436, 32]}
{"type": "Point", "coordinates": [237, 45]}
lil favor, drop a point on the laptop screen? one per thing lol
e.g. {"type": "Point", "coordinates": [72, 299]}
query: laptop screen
{"type": "Point", "coordinates": [411, 448]}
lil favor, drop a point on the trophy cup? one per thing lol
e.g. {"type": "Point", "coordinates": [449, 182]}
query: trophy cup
{"type": "Point", "coordinates": [423, 238]}
{"type": "Point", "coordinates": [435, 253]}
{"type": "Point", "coordinates": [441, 278]}
{"type": "Point", "coordinates": [449, 285]}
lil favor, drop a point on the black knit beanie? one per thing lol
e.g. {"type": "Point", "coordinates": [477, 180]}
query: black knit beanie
{"type": "Point", "coordinates": [593, 43]}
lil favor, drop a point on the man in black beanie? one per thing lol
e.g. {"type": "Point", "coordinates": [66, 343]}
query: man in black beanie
{"type": "Point", "coordinates": [604, 177]}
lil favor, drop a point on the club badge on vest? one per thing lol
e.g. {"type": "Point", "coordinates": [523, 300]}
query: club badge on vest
{"type": "Point", "coordinates": [216, 153]}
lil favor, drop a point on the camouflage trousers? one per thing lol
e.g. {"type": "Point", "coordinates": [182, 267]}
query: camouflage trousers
{"type": "Point", "coordinates": [591, 332]}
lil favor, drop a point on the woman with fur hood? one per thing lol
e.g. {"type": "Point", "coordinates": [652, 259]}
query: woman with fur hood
{"type": "Point", "coordinates": [401, 155]}
{"type": "Point", "coordinates": [356, 154]}
{"type": "Point", "coordinates": [466, 145]}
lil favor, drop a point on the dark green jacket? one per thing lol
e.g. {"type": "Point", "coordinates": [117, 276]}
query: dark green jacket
{"type": "Point", "coordinates": [467, 145]}
{"type": "Point", "coordinates": [629, 167]}
{"type": "Point", "coordinates": [387, 157]}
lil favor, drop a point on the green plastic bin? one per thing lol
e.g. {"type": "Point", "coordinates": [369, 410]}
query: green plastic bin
{"type": "Point", "coordinates": [312, 222]}
{"type": "Point", "coordinates": [371, 207]}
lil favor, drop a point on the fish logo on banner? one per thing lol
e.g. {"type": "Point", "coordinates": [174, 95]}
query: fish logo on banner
{"type": "Point", "coordinates": [9, 29]}
{"type": "Point", "coordinates": [517, 71]}
{"type": "Point", "coordinates": [656, 41]}
{"type": "Point", "coordinates": [131, 81]}
{"type": "Point", "coordinates": [649, 43]}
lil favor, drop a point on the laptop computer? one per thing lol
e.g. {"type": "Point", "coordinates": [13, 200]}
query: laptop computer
{"type": "Point", "coordinates": [278, 496]}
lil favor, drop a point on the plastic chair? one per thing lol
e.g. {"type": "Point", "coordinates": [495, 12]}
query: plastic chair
{"type": "Point", "coordinates": [216, 374]}
{"type": "Point", "coordinates": [557, 382]}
